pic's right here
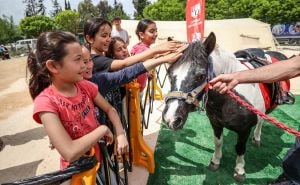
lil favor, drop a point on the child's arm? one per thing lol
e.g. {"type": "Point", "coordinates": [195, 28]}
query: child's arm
{"type": "Point", "coordinates": [121, 140]}
{"type": "Point", "coordinates": [69, 149]}
{"type": "Point", "coordinates": [170, 46]}
{"type": "Point", "coordinates": [168, 57]}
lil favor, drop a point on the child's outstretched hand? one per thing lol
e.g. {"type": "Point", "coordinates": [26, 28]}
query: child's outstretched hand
{"type": "Point", "coordinates": [170, 46]}
{"type": "Point", "coordinates": [121, 144]}
{"type": "Point", "coordinates": [171, 57]}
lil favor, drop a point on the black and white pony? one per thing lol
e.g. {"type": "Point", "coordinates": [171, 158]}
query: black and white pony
{"type": "Point", "coordinates": [188, 78]}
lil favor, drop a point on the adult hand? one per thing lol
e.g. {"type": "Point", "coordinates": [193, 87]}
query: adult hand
{"type": "Point", "coordinates": [224, 82]}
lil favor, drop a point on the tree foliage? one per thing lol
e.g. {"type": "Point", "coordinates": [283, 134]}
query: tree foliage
{"type": "Point", "coordinates": [269, 11]}
{"type": "Point", "coordinates": [67, 5]}
{"type": "Point", "coordinates": [139, 6]}
{"type": "Point", "coordinates": [67, 20]}
{"type": "Point", "coordinates": [103, 9]}
{"type": "Point", "coordinates": [8, 31]}
{"type": "Point", "coordinates": [56, 8]}
{"type": "Point", "coordinates": [34, 25]}
{"type": "Point", "coordinates": [34, 7]}
{"type": "Point", "coordinates": [169, 10]}
{"type": "Point", "coordinates": [117, 10]}
{"type": "Point", "coordinates": [86, 10]}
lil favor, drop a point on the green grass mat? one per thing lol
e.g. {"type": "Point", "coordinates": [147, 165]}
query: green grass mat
{"type": "Point", "coordinates": [181, 157]}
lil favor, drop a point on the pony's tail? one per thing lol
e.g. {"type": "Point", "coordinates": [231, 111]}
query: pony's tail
{"type": "Point", "coordinates": [39, 76]}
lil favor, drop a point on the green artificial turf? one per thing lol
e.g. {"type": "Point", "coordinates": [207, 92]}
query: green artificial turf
{"type": "Point", "coordinates": [181, 157]}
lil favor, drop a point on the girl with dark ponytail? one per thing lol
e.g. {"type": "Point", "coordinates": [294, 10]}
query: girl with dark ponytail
{"type": "Point", "coordinates": [64, 102]}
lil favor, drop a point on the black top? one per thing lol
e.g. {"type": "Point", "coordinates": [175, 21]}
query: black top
{"type": "Point", "coordinates": [101, 63]}
{"type": "Point", "coordinates": [109, 83]}
{"type": "Point", "coordinates": [109, 80]}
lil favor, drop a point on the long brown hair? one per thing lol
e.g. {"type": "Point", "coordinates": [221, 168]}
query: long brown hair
{"type": "Point", "coordinates": [110, 52]}
{"type": "Point", "coordinates": [50, 46]}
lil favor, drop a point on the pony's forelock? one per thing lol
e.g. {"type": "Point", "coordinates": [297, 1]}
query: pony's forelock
{"type": "Point", "coordinates": [195, 54]}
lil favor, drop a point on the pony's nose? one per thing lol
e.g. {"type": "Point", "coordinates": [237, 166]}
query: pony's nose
{"type": "Point", "coordinates": [177, 124]}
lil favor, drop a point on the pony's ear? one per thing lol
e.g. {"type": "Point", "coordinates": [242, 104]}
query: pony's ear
{"type": "Point", "coordinates": [210, 43]}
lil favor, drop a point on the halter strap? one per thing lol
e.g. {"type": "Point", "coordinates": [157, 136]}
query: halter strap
{"type": "Point", "coordinates": [191, 97]}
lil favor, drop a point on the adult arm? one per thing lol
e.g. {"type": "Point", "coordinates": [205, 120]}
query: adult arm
{"type": "Point", "coordinates": [170, 46]}
{"type": "Point", "coordinates": [282, 70]}
{"type": "Point", "coordinates": [69, 149]}
{"type": "Point", "coordinates": [121, 140]}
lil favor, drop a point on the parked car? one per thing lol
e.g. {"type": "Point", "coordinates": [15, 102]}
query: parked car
{"type": "Point", "coordinates": [26, 44]}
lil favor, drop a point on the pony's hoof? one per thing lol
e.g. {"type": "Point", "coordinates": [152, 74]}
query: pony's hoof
{"type": "Point", "coordinates": [213, 167]}
{"type": "Point", "coordinates": [255, 142]}
{"type": "Point", "coordinates": [239, 177]}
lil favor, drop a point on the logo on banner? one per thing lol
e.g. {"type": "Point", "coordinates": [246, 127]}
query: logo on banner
{"type": "Point", "coordinates": [195, 10]}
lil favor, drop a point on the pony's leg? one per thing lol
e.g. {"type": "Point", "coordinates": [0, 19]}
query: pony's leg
{"type": "Point", "coordinates": [257, 132]}
{"type": "Point", "coordinates": [217, 155]}
{"type": "Point", "coordinates": [240, 148]}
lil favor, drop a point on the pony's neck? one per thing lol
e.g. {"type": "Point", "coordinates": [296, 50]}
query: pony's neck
{"type": "Point", "coordinates": [223, 61]}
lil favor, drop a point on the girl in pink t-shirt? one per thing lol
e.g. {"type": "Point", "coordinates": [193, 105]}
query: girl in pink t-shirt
{"type": "Point", "coordinates": [64, 102]}
{"type": "Point", "coordinates": [146, 31]}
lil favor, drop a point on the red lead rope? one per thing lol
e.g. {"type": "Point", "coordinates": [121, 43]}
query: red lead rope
{"type": "Point", "coordinates": [261, 114]}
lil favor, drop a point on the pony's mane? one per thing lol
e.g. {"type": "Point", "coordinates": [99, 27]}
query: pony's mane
{"type": "Point", "coordinates": [194, 54]}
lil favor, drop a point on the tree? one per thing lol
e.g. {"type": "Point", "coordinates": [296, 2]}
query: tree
{"type": "Point", "coordinates": [34, 7]}
{"type": "Point", "coordinates": [86, 10]}
{"type": "Point", "coordinates": [103, 9]}
{"type": "Point", "coordinates": [269, 11]}
{"type": "Point", "coordinates": [139, 6]}
{"type": "Point", "coordinates": [218, 9]}
{"type": "Point", "coordinates": [41, 9]}
{"type": "Point", "coordinates": [34, 25]}
{"type": "Point", "coordinates": [30, 9]}
{"type": "Point", "coordinates": [67, 5]}
{"type": "Point", "coordinates": [8, 30]}
{"type": "Point", "coordinates": [168, 10]}
{"type": "Point", "coordinates": [56, 8]}
{"type": "Point", "coordinates": [68, 20]}
{"type": "Point", "coordinates": [117, 10]}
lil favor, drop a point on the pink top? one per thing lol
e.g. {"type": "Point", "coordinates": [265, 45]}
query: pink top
{"type": "Point", "coordinates": [138, 48]}
{"type": "Point", "coordinates": [76, 113]}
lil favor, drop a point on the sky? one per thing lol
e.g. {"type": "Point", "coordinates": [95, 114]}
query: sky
{"type": "Point", "coordinates": [16, 8]}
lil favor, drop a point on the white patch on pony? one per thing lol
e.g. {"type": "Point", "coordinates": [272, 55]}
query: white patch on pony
{"type": "Point", "coordinates": [181, 73]}
{"type": "Point", "coordinates": [170, 115]}
{"type": "Point", "coordinates": [216, 158]}
{"type": "Point", "coordinates": [240, 165]}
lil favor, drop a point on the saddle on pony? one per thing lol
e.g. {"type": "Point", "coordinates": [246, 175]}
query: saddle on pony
{"type": "Point", "coordinates": [276, 93]}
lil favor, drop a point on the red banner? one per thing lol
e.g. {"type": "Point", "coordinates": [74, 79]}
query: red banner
{"type": "Point", "coordinates": [195, 17]}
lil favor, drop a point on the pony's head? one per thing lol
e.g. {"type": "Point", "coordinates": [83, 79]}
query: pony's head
{"type": "Point", "coordinates": [188, 77]}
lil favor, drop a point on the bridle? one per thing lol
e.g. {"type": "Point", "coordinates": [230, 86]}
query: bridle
{"type": "Point", "coordinates": [192, 97]}
{"type": "Point", "coordinates": [189, 97]}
